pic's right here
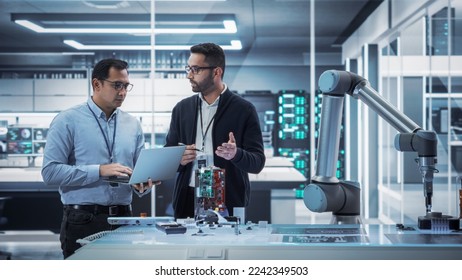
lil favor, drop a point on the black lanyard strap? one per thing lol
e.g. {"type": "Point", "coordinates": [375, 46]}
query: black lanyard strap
{"type": "Point", "coordinates": [109, 149]}
{"type": "Point", "coordinates": [204, 134]}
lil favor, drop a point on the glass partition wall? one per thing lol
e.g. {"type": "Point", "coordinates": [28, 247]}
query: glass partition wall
{"type": "Point", "coordinates": [421, 75]}
{"type": "Point", "coordinates": [265, 61]}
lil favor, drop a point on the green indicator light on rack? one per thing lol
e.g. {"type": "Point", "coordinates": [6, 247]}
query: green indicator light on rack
{"type": "Point", "coordinates": [299, 193]}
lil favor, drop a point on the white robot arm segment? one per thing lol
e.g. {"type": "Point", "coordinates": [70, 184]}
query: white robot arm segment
{"type": "Point", "coordinates": [326, 192]}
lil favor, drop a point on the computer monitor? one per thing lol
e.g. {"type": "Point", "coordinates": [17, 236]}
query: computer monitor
{"type": "Point", "coordinates": [40, 134]}
{"type": "Point", "coordinates": [19, 140]}
{"type": "Point", "coordinates": [39, 140]}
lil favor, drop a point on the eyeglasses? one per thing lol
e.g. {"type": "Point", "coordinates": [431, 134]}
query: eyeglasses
{"type": "Point", "coordinates": [119, 85]}
{"type": "Point", "coordinates": [196, 69]}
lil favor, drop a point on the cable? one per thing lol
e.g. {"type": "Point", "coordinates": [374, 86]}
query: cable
{"type": "Point", "coordinates": [98, 235]}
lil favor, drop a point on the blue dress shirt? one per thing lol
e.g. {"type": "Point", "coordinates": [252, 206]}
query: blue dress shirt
{"type": "Point", "coordinates": [76, 148]}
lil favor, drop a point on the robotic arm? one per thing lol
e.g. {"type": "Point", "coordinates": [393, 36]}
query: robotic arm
{"type": "Point", "coordinates": [325, 192]}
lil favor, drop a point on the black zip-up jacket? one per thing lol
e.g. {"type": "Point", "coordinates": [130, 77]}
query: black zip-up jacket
{"type": "Point", "coordinates": [234, 114]}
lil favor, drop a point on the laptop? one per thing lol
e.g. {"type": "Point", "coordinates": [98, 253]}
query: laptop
{"type": "Point", "coordinates": [158, 164]}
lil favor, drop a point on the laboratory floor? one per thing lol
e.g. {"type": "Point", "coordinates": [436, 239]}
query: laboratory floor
{"type": "Point", "coordinates": [30, 245]}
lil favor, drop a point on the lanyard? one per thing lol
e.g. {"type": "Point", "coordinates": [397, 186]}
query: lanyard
{"type": "Point", "coordinates": [204, 134]}
{"type": "Point", "coordinates": [109, 149]}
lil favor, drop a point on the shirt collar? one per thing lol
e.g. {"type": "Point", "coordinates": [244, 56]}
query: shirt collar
{"type": "Point", "coordinates": [98, 110]}
{"type": "Point", "coordinates": [215, 103]}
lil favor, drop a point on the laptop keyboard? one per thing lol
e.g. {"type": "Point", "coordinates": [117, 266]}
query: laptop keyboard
{"type": "Point", "coordinates": [121, 179]}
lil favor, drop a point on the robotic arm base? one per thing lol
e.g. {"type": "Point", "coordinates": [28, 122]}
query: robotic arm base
{"type": "Point", "coordinates": [346, 219]}
{"type": "Point", "coordinates": [342, 199]}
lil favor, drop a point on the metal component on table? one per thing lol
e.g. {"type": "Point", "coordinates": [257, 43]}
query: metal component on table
{"type": "Point", "coordinates": [213, 220]}
{"type": "Point", "coordinates": [234, 221]}
{"type": "Point", "coordinates": [438, 223]}
{"type": "Point", "coordinates": [326, 192]}
{"type": "Point", "coordinates": [401, 227]}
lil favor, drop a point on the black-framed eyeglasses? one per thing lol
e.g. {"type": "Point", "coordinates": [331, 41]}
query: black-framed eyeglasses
{"type": "Point", "coordinates": [197, 69]}
{"type": "Point", "coordinates": [120, 85]}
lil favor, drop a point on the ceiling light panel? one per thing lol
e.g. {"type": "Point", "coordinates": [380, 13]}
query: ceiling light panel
{"type": "Point", "coordinates": [127, 23]}
{"type": "Point", "coordinates": [233, 45]}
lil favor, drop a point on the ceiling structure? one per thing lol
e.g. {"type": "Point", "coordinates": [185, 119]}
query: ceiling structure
{"type": "Point", "coordinates": [267, 26]}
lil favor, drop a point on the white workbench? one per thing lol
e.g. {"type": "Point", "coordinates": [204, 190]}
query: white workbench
{"type": "Point", "coordinates": [321, 242]}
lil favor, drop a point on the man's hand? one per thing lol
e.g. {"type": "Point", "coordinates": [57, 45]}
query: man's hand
{"type": "Point", "coordinates": [189, 154]}
{"type": "Point", "coordinates": [227, 150]}
{"type": "Point", "coordinates": [114, 169]}
{"type": "Point", "coordinates": [142, 187]}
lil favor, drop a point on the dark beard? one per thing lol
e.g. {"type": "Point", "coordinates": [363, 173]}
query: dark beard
{"type": "Point", "coordinates": [206, 84]}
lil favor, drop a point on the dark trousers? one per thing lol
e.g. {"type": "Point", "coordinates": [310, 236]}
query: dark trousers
{"type": "Point", "coordinates": [185, 209]}
{"type": "Point", "coordinates": [77, 224]}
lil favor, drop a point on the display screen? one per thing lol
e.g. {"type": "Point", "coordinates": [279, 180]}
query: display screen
{"type": "Point", "coordinates": [39, 147]}
{"type": "Point", "coordinates": [39, 140]}
{"type": "Point", "coordinates": [20, 147]}
{"type": "Point", "coordinates": [3, 138]}
{"type": "Point", "coordinates": [19, 140]}
{"type": "Point", "coordinates": [40, 134]}
{"type": "Point", "coordinates": [19, 134]}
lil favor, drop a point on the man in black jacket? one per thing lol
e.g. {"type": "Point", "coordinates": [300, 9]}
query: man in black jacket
{"type": "Point", "coordinates": [219, 128]}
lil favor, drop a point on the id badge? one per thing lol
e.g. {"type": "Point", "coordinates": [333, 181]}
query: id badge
{"type": "Point", "coordinates": [201, 160]}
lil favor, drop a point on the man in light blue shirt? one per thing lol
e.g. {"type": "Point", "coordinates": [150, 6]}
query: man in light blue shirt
{"type": "Point", "coordinates": [87, 143]}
